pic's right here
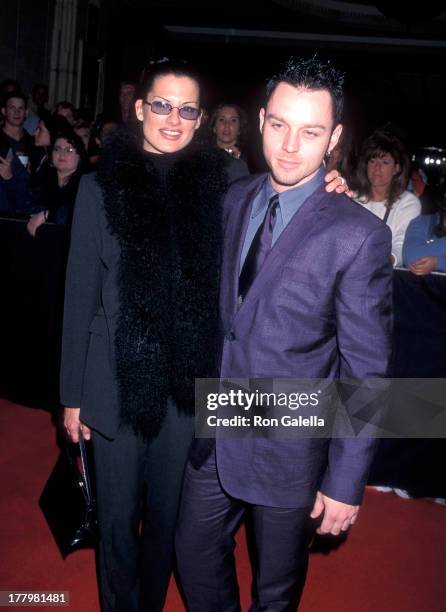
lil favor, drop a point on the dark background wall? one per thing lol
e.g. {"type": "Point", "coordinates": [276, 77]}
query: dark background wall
{"type": "Point", "coordinates": [402, 82]}
{"type": "Point", "coordinates": [25, 40]}
{"type": "Point", "coordinates": [395, 68]}
{"type": "Point", "coordinates": [395, 60]}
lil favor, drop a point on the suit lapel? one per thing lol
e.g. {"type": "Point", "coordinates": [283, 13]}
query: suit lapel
{"type": "Point", "coordinates": [294, 236]}
{"type": "Point", "coordinates": [233, 243]}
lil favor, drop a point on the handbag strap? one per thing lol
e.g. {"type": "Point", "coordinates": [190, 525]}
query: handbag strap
{"type": "Point", "coordinates": [386, 216]}
{"type": "Point", "coordinates": [85, 472]}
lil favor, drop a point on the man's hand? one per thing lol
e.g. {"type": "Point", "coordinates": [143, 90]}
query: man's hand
{"type": "Point", "coordinates": [35, 221]}
{"type": "Point", "coordinates": [337, 515]}
{"type": "Point", "coordinates": [73, 425]}
{"type": "Point", "coordinates": [425, 265]}
{"type": "Point", "coordinates": [5, 168]}
{"type": "Point", "coordinates": [336, 182]}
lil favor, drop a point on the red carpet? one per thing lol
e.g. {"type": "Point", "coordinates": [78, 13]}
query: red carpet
{"type": "Point", "coordinates": [395, 557]}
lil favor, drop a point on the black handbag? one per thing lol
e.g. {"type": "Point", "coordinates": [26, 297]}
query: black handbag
{"type": "Point", "coordinates": [67, 501]}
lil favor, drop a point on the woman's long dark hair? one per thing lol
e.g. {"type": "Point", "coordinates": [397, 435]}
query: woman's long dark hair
{"type": "Point", "coordinates": [243, 118]}
{"type": "Point", "coordinates": [379, 144]}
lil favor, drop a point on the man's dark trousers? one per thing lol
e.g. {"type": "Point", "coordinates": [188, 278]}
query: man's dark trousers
{"type": "Point", "coordinates": [205, 544]}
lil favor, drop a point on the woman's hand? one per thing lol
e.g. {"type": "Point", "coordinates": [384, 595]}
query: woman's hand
{"type": "Point", "coordinates": [73, 424]}
{"type": "Point", "coordinates": [424, 266]}
{"type": "Point", "coordinates": [336, 182]}
{"type": "Point", "coordinates": [234, 151]}
{"type": "Point", "coordinates": [35, 221]}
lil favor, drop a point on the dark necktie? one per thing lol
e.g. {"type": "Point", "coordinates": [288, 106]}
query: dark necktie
{"type": "Point", "coordinates": [259, 249]}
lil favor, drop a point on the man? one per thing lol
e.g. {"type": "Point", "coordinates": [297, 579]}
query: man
{"type": "Point", "coordinates": [38, 110]}
{"type": "Point", "coordinates": [317, 306]}
{"type": "Point", "coordinates": [126, 102]}
{"type": "Point", "coordinates": [13, 134]}
{"type": "Point", "coordinates": [16, 146]}
{"type": "Point", "coordinates": [83, 130]}
{"type": "Point", "coordinates": [6, 87]}
{"type": "Point", "coordinates": [14, 184]}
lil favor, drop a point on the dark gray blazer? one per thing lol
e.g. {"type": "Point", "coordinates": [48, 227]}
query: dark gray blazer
{"type": "Point", "coordinates": [87, 378]}
{"type": "Point", "coordinates": [319, 308]}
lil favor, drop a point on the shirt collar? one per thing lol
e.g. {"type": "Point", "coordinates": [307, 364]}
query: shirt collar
{"type": "Point", "coordinates": [290, 199]}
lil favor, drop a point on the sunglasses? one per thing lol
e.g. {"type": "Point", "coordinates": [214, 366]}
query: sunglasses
{"type": "Point", "coordinates": [160, 107]}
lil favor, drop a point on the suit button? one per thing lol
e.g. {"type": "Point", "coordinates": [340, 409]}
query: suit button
{"type": "Point", "coordinates": [230, 336]}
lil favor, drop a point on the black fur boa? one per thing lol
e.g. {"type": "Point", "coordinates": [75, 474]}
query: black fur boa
{"type": "Point", "coordinates": [169, 236]}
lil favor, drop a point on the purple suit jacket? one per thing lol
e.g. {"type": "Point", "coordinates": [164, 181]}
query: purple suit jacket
{"type": "Point", "coordinates": [319, 308]}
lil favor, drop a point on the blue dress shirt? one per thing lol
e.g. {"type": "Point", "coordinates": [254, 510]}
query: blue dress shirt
{"type": "Point", "coordinates": [289, 203]}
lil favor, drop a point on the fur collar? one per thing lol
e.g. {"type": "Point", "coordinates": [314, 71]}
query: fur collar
{"type": "Point", "coordinates": [169, 233]}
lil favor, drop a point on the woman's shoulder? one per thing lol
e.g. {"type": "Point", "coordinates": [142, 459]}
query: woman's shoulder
{"type": "Point", "coordinates": [371, 205]}
{"type": "Point", "coordinates": [89, 196]}
{"type": "Point", "coordinates": [408, 200]}
{"type": "Point", "coordinates": [425, 222]}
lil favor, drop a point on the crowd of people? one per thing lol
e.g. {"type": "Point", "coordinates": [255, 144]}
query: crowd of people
{"type": "Point", "coordinates": [39, 176]}
{"type": "Point", "coordinates": [153, 284]}
{"type": "Point", "coordinates": [43, 154]}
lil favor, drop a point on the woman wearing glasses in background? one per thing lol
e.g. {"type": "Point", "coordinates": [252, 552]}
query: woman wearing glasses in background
{"type": "Point", "coordinates": [140, 325]}
{"type": "Point", "coordinates": [55, 184]}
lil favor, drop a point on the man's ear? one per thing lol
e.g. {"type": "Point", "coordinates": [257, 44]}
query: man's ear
{"type": "Point", "coordinates": [139, 110]}
{"type": "Point", "coordinates": [334, 138]}
{"type": "Point", "coordinates": [261, 119]}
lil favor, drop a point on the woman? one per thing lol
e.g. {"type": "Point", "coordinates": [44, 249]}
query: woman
{"type": "Point", "coordinates": [141, 324]}
{"type": "Point", "coordinates": [42, 144]}
{"type": "Point", "coordinates": [55, 184]}
{"type": "Point", "coordinates": [228, 124]}
{"type": "Point", "coordinates": [425, 245]}
{"type": "Point", "coordinates": [46, 131]}
{"type": "Point", "coordinates": [382, 177]}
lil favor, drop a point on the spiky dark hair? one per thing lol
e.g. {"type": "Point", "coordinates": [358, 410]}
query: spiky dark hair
{"type": "Point", "coordinates": [313, 74]}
